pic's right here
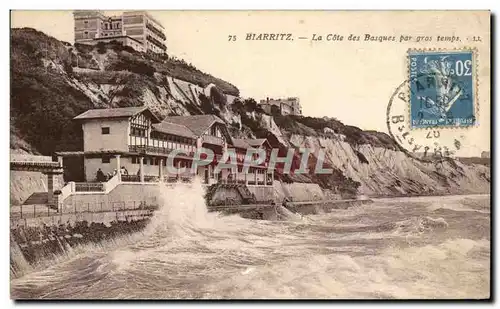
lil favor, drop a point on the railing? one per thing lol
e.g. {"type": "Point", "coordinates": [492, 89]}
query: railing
{"type": "Point", "coordinates": [148, 178]}
{"type": "Point", "coordinates": [131, 178]}
{"type": "Point", "coordinates": [170, 179]}
{"type": "Point", "coordinates": [156, 31]}
{"type": "Point", "coordinates": [137, 178]}
{"type": "Point", "coordinates": [137, 148]}
{"type": "Point", "coordinates": [31, 211]}
{"type": "Point", "coordinates": [144, 149]}
{"type": "Point", "coordinates": [153, 149]}
{"type": "Point", "coordinates": [89, 187]}
{"type": "Point", "coordinates": [29, 158]}
{"type": "Point", "coordinates": [214, 140]}
{"type": "Point", "coordinates": [37, 211]}
{"type": "Point", "coordinates": [35, 164]}
{"type": "Point", "coordinates": [156, 42]}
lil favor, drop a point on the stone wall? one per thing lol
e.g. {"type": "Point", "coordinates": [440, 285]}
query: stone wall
{"type": "Point", "coordinates": [298, 191]}
{"type": "Point", "coordinates": [124, 196]}
{"type": "Point", "coordinates": [262, 193]}
{"type": "Point", "coordinates": [23, 184]}
{"type": "Point", "coordinates": [222, 194]}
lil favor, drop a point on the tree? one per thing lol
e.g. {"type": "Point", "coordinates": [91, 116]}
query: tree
{"type": "Point", "coordinates": [218, 97]}
{"type": "Point", "coordinates": [238, 107]}
{"type": "Point", "coordinates": [250, 104]}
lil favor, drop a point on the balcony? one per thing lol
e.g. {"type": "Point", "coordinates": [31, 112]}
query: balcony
{"type": "Point", "coordinates": [142, 149]}
{"type": "Point", "coordinates": [148, 149]}
{"type": "Point", "coordinates": [214, 140]}
{"type": "Point", "coordinates": [156, 42]}
{"type": "Point", "coordinates": [156, 31]}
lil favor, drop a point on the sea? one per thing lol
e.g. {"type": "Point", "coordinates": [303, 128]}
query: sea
{"type": "Point", "coordinates": [394, 248]}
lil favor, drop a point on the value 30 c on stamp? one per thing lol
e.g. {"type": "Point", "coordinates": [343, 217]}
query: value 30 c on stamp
{"type": "Point", "coordinates": [428, 112]}
{"type": "Point", "coordinates": [442, 88]}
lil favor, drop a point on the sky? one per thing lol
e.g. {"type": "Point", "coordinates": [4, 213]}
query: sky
{"type": "Point", "coordinates": [352, 81]}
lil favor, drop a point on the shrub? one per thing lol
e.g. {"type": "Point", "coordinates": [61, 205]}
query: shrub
{"type": "Point", "coordinates": [101, 48]}
{"type": "Point", "coordinates": [218, 97]}
{"type": "Point", "coordinates": [250, 105]}
{"type": "Point", "coordinates": [134, 66]}
{"type": "Point", "coordinates": [238, 107]}
{"type": "Point", "coordinates": [68, 68]}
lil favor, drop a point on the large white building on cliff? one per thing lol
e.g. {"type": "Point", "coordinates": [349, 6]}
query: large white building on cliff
{"type": "Point", "coordinates": [137, 29]}
{"type": "Point", "coordinates": [287, 106]}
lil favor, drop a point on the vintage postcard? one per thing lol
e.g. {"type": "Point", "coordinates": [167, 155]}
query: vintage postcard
{"type": "Point", "coordinates": [250, 155]}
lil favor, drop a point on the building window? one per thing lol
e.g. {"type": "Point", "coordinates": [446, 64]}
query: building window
{"type": "Point", "coordinates": [106, 159]}
{"type": "Point", "coordinates": [105, 130]}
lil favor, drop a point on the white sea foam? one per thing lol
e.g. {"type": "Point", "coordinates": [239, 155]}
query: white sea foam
{"type": "Point", "coordinates": [187, 252]}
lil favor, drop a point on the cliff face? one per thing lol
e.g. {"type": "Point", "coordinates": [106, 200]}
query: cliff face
{"type": "Point", "coordinates": [387, 172]}
{"type": "Point", "coordinates": [52, 82]}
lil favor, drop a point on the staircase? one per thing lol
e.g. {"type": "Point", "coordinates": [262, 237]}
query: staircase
{"type": "Point", "coordinates": [247, 196]}
{"type": "Point", "coordinates": [37, 198]}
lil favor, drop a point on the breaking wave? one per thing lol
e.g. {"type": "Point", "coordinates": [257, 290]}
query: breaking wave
{"type": "Point", "coordinates": [400, 249]}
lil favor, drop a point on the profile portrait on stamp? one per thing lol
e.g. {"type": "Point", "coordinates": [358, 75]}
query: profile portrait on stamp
{"type": "Point", "coordinates": [442, 92]}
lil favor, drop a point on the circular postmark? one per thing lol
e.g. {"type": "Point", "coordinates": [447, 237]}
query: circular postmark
{"type": "Point", "coordinates": [437, 136]}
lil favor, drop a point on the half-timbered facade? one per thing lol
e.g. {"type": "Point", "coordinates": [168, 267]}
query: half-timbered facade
{"type": "Point", "coordinates": [132, 141]}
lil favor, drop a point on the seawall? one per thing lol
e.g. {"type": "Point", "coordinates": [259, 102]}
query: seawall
{"type": "Point", "coordinates": [40, 238]}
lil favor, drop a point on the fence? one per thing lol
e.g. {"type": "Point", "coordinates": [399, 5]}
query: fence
{"type": "Point", "coordinates": [89, 187]}
{"type": "Point", "coordinates": [36, 211]}
{"type": "Point", "coordinates": [131, 178]}
{"type": "Point", "coordinates": [148, 178]}
{"type": "Point", "coordinates": [154, 149]}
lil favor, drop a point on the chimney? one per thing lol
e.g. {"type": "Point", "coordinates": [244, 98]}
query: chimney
{"type": "Point", "coordinates": [267, 100]}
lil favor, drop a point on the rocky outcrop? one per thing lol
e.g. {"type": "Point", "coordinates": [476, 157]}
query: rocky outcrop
{"type": "Point", "coordinates": [386, 172]}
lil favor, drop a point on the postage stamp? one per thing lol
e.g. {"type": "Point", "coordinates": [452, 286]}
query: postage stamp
{"type": "Point", "coordinates": [442, 88]}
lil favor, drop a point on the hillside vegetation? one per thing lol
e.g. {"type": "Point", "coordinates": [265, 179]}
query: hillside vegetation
{"type": "Point", "coordinates": [52, 82]}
